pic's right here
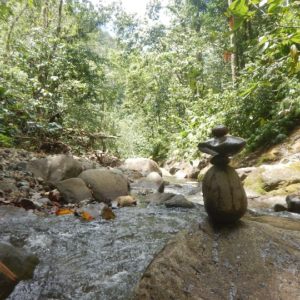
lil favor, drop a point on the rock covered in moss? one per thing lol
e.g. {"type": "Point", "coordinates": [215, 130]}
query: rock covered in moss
{"type": "Point", "coordinates": [276, 179]}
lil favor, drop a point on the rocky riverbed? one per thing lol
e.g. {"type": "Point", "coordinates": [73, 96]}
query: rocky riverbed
{"type": "Point", "coordinates": [50, 212]}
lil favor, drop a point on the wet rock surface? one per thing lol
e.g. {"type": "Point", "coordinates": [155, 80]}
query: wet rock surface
{"type": "Point", "coordinates": [20, 265]}
{"type": "Point", "coordinates": [169, 200]}
{"type": "Point", "coordinates": [251, 260]}
{"type": "Point", "coordinates": [110, 254]}
{"type": "Point", "coordinates": [91, 260]}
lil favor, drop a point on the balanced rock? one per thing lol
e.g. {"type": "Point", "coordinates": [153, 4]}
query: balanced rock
{"type": "Point", "coordinates": [224, 196]}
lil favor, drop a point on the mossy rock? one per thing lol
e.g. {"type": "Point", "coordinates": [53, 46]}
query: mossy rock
{"type": "Point", "coordinates": [270, 156]}
{"type": "Point", "coordinates": [279, 179]}
{"type": "Point", "coordinates": [255, 183]}
{"type": "Point", "coordinates": [287, 190]}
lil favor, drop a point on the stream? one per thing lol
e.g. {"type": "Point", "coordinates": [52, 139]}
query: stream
{"type": "Point", "coordinates": [99, 259]}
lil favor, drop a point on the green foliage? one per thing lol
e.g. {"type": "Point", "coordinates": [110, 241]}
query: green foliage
{"type": "Point", "coordinates": [159, 88]}
{"type": "Point", "coordinates": [52, 75]}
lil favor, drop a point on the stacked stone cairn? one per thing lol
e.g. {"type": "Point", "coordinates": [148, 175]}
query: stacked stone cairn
{"type": "Point", "coordinates": [225, 199]}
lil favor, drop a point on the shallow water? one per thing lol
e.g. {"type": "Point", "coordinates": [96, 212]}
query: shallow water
{"type": "Point", "coordinates": [92, 260]}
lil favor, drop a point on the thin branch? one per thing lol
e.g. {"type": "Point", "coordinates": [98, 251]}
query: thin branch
{"type": "Point", "coordinates": [11, 28]}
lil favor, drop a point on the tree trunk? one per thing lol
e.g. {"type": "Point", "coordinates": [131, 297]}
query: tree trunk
{"type": "Point", "coordinates": [11, 28]}
{"type": "Point", "coordinates": [58, 29]}
{"type": "Point", "coordinates": [45, 12]}
{"type": "Point", "coordinates": [232, 47]}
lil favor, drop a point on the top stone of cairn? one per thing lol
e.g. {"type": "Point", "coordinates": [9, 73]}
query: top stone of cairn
{"type": "Point", "coordinates": [222, 144]}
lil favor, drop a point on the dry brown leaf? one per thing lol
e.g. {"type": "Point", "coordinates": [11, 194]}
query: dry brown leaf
{"type": "Point", "coordinates": [87, 216]}
{"type": "Point", "coordinates": [64, 211]}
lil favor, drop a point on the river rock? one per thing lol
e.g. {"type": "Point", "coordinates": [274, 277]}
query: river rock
{"type": "Point", "coordinates": [106, 185]}
{"type": "Point", "coordinates": [158, 198]}
{"type": "Point", "coordinates": [74, 190]}
{"type": "Point", "coordinates": [244, 172]}
{"type": "Point", "coordinates": [143, 165]}
{"type": "Point", "coordinates": [278, 179]}
{"type": "Point", "coordinates": [265, 202]}
{"type": "Point", "coordinates": [165, 172]}
{"type": "Point", "coordinates": [170, 200]}
{"type": "Point", "coordinates": [179, 201]}
{"type": "Point", "coordinates": [55, 168]}
{"type": "Point", "coordinates": [123, 201]}
{"type": "Point", "coordinates": [155, 177]}
{"type": "Point", "coordinates": [293, 203]}
{"type": "Point", "coordinates": [151, 184]}
{"type": "Point", "coordinates": [183, 169]}
{"type": "Point", "coordinates": [18, 261]}
{"type": "Point", "coordinates": [224, 196]}
{"type": "Point", "coordinates": [8, 185]}
{"type": "Point", "coordinates": [249, 260]}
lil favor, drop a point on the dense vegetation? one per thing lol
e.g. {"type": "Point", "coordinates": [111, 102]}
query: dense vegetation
{"type": "Point", "coordinates": [148, 88]}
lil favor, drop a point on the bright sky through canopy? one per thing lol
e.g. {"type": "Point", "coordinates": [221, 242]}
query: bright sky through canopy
{"type": "Point", "coordinates": [137, 6]}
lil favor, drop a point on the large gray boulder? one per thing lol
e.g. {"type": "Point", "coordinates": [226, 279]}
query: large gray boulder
{"type": "Point", "coordinates": [74, 190]}
{"type": "Point", "coordinates": [20, 264]}
{"type": "Point", "coordinates": [106, 185]}
{"type": "Point", "coordinates": [142, 165]}
{"type": "Point", "coordinates": [250, 260]}
{"type": "Point", "coordinates": [55, 168]}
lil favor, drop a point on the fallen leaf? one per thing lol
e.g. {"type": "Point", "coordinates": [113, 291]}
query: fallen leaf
{"type": "Point", "coordinates": [7, 272]}
{"type": "Point", "coordinates": [108, 214]}
{"type": "Point", "coordinates": [87, 216]}
{"type": "Point", "coordinates": [64, 211]}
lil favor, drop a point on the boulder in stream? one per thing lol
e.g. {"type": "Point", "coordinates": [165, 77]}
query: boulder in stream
{"type": "Point", "coordinates": [143, 165]}
{"type": "Point", "coordinates": [170, 200]}
{"type": "Point", "coordinates": [74, 190]}
{"type": "Point", "coordinates": [55, 168]}
{"type": "Point", "coordinates": [20, 266]}
{"type": "Point", "coordinates": [293, 203]}
{"type": "Point", "coordinates": [248, 260]}
{"type": "Point", "coordinates": [106, 185]}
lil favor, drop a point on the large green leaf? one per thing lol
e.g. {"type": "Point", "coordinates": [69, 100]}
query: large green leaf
{"type": "Point", "coordinates": [239, 8]}
{"type": "Point", "coordinates": [296, 38]}
{"type": "Point", "coordinates": [274, 5]}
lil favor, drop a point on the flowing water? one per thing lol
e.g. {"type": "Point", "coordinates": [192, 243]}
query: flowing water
{"type": "Point", "coordinates": [94, 260]}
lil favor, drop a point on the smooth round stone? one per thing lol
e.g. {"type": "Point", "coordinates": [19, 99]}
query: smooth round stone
{"type": "Point", "coordinates": [219, 131]}
{"type": "Point", "coordinates": [220, 160]}
{"type": "Point", "coordinates": [225, 146]}
{"type": "Point", "coordinates": [225, 199]}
